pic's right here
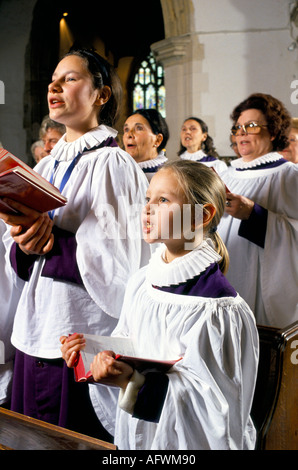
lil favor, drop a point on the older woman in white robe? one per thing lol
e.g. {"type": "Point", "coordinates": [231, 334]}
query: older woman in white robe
{"type": "Point", "coordinates": [260, 228]}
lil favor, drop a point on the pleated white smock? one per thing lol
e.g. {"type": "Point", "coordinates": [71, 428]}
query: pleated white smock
{"type": "Point", "coordinates": [150, 167]}
{"type": "Point", "coordinates": [267, 278]}
{"type": "Point", "coordinates": [210, 391]}
{"type": "Point", "coordinates": [9, 295]}
{"type": "Point", "coordinates": [201, 157]}
{"type": "Point", "coordinates": [105, 194]}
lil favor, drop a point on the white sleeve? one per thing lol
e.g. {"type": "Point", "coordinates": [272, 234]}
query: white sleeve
{"type": "Point", "coordinates": [110, 244]}
{"type": "Point", "coordinates": [210, 391]}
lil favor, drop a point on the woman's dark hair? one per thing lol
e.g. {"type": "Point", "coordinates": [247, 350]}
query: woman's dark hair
{"type": "Point", "coordinates": [208, 145]}
{"type": "Point", "coordinates": [157, 123]}
{"type": "Point", "coordinates": [103, 74]}
{"type": "Point", "coordinates": [277, 116]}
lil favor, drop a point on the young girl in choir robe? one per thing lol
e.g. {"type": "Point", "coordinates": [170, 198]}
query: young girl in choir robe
{"type": "Point", "coordinates": [76, 262]}
{"type": "Point", "coordinates": [181, 305]}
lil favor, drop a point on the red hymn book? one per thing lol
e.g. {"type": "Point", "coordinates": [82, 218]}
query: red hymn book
{"type": "Point", "coordinates": [124, 349]}
{"type": "Point", "coordinates": [22, 184]}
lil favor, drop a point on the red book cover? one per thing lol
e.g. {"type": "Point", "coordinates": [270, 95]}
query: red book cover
{"type": "Point", "coordinates": [95, 344]}
{"type": "Point", "coordinates": [22, 184]}
{"type": "Point", "coordinates": [79, 371]}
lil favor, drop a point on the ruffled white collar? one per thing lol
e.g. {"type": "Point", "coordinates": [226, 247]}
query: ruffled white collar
{"type": "Point", "coordinates": [159, 160]}
{"type": "Point", "coordinates": [160, 273]}
{"type": "Point", "coordinates": [268, 158]}
{"type": "Point", "coordinates": [198, 155]}
{"type": "Point", "coordinates": [69, 150]}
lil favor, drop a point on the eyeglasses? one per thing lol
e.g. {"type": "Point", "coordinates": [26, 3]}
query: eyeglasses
{"type": "Point", "coordinates": [249, 128]}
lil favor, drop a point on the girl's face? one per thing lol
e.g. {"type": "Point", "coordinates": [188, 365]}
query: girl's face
{"type": "Point", "coordinates": [192, 136]}
{"type": "Point", "coordinates": [72, 98]}
{"type": "Point", "coordinates": [166, 216]}
{"type": "Point", "coordinates": [252, 146]}
{"type": "Point", "coordinates": [139, 140]}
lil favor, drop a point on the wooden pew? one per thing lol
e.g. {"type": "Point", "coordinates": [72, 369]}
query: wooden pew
{"type": "Point", "coordinates": [275, 405]}
{"type": "Point", "coordinates": [274, 410]}
{"type": "Point", "coordinates": [20, 432]}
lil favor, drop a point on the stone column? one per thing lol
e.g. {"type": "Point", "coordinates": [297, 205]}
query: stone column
{"type": "Point", "coordinates": [181, 57]}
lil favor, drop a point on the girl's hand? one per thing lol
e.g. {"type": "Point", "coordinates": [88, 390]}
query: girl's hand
{"type": "Point", "coordinates": [36, 240]}
{"type": "Point", "coordinates": [107, 370]}
{"type": "Point", "coordinates": [31, 230]}
{"type": "Point", "coordinates": [25, 218]}
{"type": "Point", "coordinates": [238, 206]}
{"type": "Point", "coordinates": [71, 346]}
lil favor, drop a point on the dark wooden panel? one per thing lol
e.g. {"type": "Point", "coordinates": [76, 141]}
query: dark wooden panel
{"type": "Point", "coordinates": [275, 406]}
{"type": "Point", "coordinates": [19, 432]}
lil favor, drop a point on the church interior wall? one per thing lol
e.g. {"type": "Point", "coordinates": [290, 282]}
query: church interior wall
{"type": "Point", "coordinates": [245, 51]}
{"type": "Point", "coordinates": [232, 48]}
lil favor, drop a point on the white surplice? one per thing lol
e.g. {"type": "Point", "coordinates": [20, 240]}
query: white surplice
{"type": "Point", "coordinates": [200, 155]}
{"type": "Point", "coordinates": [150, 167]}
{"type": "Point", "coordinates": [210, 391]}
{"type": "Point", "coordinates": [105, 194]}
{"type": "Point", "coordinates": [267, 278]}
{"type": "Point", "coordinates": [9, 295]}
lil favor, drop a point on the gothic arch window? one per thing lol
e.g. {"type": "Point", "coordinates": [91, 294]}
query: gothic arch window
{"type": "Point", "coordinates": [148, 86]}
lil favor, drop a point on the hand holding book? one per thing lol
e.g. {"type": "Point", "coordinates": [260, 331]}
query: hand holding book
{"type": "Point", "coordinates": [17, 214]}
{"type": "Point", "coordinates": [22, 184]}
{"type": "Point", "coordinates": [71, 347]}
{"type": "Point", "coordinates": [79, 352]}
{"type": "Point", "coordinates": [25, 199]}
{"type": "Point", "coordinates": [107, 370]}
{"type": "Point", "coordinates": [104, 368]}
{"type": "Point", "coordinates": [31, 230]}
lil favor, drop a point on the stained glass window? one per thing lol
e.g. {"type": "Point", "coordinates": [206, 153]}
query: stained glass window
{"type": "Point", "coordinates": [148, 88]}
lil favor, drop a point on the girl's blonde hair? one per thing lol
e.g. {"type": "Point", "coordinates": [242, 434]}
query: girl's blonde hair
{"type": "Point", "coordinates": [201, 185]}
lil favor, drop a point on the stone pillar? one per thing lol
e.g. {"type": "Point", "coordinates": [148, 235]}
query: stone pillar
{"type": "Point", "coordinates": [181, 57]}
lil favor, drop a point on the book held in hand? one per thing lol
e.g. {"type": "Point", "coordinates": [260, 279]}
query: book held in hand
{"type": "Point", "coordinates": [124, 349]}
{"type": "Point", "coordinates": [22, 184]}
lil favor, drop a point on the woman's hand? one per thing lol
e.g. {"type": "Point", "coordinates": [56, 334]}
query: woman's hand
{"type": "Point", "coordinates": [38, 239]}
{"type": "Point", "coordinates": [107, 370]}
{"type": "Point", "coordinates": [24, 217]}
{"type": "Point", "coordinates": [238, 206]}
{"type": "Point", "coordinates": [31, 230]}
{"type": "Point", "coordinates": [71, 346]}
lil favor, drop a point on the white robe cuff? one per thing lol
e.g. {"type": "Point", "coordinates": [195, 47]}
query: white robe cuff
{"type": "Point", "coordinates": [128, 397]}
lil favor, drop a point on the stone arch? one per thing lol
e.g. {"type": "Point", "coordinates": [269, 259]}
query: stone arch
{"type": "Point", "coordinates": [178, 17]}
{"type": "Point", "coordinates": [89, 28]}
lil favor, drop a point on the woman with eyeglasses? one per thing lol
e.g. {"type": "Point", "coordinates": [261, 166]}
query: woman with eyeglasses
{"type": "Point", "coordinates": [260, 225]}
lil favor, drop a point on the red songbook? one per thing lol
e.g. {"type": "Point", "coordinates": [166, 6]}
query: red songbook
{"type": "Point", "coordinates": [81, 373]}
{"type": "Point", "coordinates": [125, 351]}
{"type": "Point", "coordinates": [22, 184]}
